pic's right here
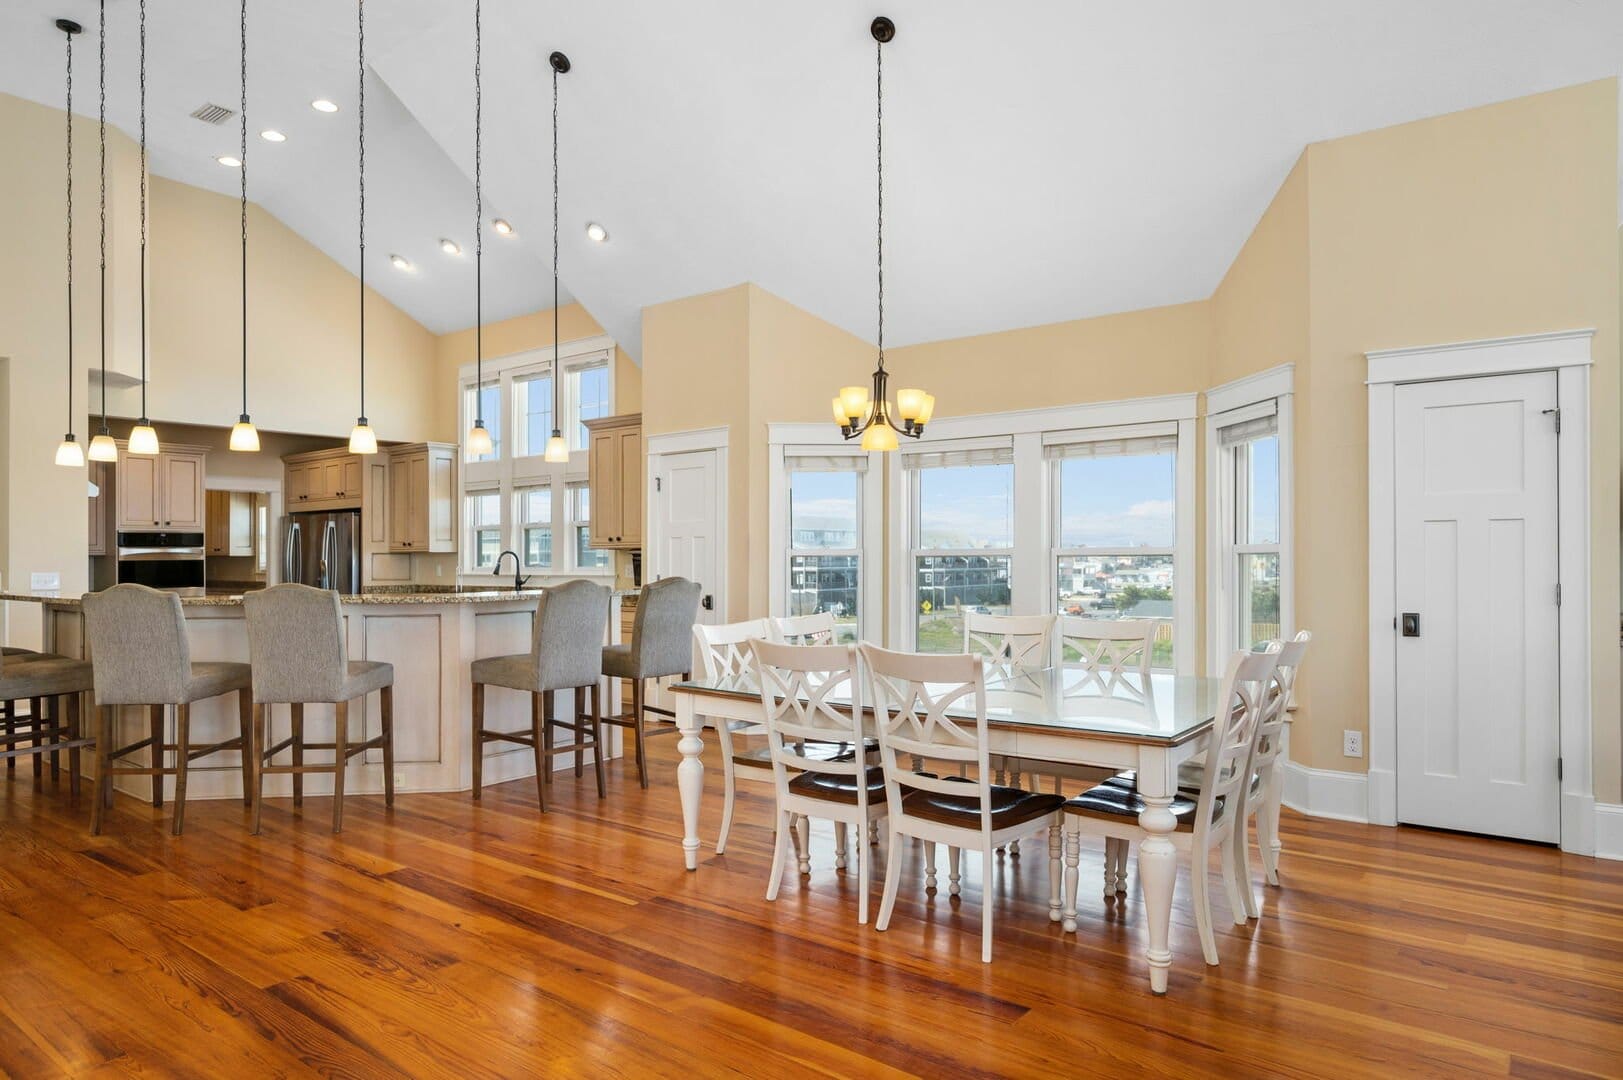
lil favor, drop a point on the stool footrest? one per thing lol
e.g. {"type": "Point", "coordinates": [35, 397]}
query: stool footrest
{"type": "Point", "coordinates": [46, 748]}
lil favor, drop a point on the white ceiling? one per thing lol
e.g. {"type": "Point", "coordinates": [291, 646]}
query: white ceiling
{"type": "Point", "coordinates": [1045, 159]}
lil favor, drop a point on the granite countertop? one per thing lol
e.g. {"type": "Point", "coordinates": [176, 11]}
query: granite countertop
{"type": "Point", "coordinates": [391, 597]}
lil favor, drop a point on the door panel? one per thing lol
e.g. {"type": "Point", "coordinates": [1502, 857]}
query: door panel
{"type": "Point", "coordinates": [182, 491]}
{"type": "Point", "coordinates": [1478, 736]}
{"type": "Point", "coordinates": [690, 528]}
{"type": "Point", "coordinates": [138, 492]}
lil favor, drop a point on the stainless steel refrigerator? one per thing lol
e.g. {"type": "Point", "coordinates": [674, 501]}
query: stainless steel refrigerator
{"type": "Point", "coordinates": [323, 549]}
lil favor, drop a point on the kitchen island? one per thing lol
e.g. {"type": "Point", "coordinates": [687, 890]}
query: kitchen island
{"type": "Point", "coordinates": [431, 638]}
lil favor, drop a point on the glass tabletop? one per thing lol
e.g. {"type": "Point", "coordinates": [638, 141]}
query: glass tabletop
{"type": "Point", "coordinates": [1165, 708]}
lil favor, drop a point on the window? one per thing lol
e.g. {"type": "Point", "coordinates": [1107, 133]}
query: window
{"type": "Point", "coordinates": [963, 540]}
{"type": "Point", "coordinates": [1249, 489]}
{"type": "Point", "coordinates": [532, 405]}
{"type": "Point", "coordinates": [1115, 531]}
{"type": "Point", "coordinates": [535, 525]}
{"type": "Point", "coordinates": [580, 520]}
{"type": "Point", "coordinates": [484, 531]}
{"type": "Point", "coordinates": [488, 406]}
{"type": "Point", "coordinates": [589, 389]}
{"type": "Point", "coordinates": [825, 530]}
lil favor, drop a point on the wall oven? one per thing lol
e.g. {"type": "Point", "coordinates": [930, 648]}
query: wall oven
{"type": "Point", "coordinates": [163, 560]}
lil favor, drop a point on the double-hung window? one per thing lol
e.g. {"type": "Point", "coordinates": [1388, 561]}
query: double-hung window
{"type": "Point", "coordinates": [580, 523]}
{"type": "Point", "coordinates": [589, 393]}
{"type": "Point", "coordinates": [961, 531]}
{"type": "Point", "coordinates": [532, 403]}
{"type": "Point", "coordinates": [1248, 516]}
{"type": "Point", "coordinates": [535, 527]}
{"type": "Point", "coordinates": [1115, 527]}
{"type": "Point", "coordinates": [824, 565]}
{"type": "Point", "coordinates": [483, 513]}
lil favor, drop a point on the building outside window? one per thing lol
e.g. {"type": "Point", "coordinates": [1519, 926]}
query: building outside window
{"type": "Point", "coordinates": [825, 531]}
{"type": "Point", "coordinates": [962, 533]}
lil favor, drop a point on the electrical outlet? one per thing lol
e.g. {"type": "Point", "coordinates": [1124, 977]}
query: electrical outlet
{"type": "Point", "coordinates": [44, 582]}
{"type": "Point", "coordinates": [1352, 744]}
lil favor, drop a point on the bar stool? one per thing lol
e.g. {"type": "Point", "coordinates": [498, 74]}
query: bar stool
{"type": "Point", "coordinates": [661, 644]}
{"type": "Point", "coordinates": [10, 722]}
{"type": "Point", "coordinates": [296, 644]}
{"type": "Point", "coordinates": [38, 678]}
{"type": "Point", "coordinates": [565, 654]}
{"type": "Point", "coordinates": [141, 656]}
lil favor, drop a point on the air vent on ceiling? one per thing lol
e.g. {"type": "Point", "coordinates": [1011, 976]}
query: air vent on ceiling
{"type": "Point", "coordinates": [211, 113]}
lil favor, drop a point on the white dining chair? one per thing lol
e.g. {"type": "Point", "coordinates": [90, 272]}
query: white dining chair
{"type": "Point", "coordinates": [1270, 765]}
{"type": "Point", "coordinates": [1011, 646]}
{"type": "Point", "coordinates": [1114, 655]}
{"type": "Point", "coordinates": [815, 629]}
{"type": "Point", "coordinates": [1207, 820]}
{"type": "Point", "coordinates": [811, 695]}
{"type": "Point", "coordinates": [724, 654]}
{"type": "Point", "coordinates": [935, 707]}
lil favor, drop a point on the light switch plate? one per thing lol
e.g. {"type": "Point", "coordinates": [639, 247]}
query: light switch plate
{"type": "Point", "coordinates": [44, 582]}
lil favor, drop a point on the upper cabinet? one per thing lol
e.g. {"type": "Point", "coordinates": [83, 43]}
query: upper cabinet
{"type": "Point", "coordinates": [615, 465]}
{"type": "Point", "coordinates": [324, 480]}
{"type": "Point", "coordinates": [422, 498]}
{"type": "Point", "coordinates": [229, 528]}
{"type": "Point", "coordinates": [159, 491]}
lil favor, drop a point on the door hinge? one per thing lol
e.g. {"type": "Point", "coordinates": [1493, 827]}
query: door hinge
{"type": "Point", "coordinates": [1557, 414]}
{"type": "Point", "coordinates": [659, 484]}
{"type": "Point", "coordinates": [1558, 594]}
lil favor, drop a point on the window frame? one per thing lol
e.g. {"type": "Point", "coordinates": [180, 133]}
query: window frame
{"type": "Point", "coordinates": [522, 522]}
{"type": "Point", "coordinates": [511, 473]}
{"type": "Point", "coordinates": [470, 530]}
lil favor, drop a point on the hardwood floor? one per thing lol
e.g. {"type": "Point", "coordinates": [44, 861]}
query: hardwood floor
{"type": "Point", "coordinates": [448, 939]}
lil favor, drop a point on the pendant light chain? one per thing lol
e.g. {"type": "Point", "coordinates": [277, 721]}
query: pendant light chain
{"type": "Point", "coordinates": [143, 105]}
{"type": "Point", "coordinates": [360, 22]}
{"type": "Point", "coordinates": [879, 124]}
{"type": "Point", "coordinates": [557, 372]}
{"type": "Point", "coordinates": [478, 222]}
{"type": "Point", "coordinates": [242, 156]}
{"type": "Point", "coordinates": [101, 134]}
{"type": "Point", "coordinates": [68, 36]}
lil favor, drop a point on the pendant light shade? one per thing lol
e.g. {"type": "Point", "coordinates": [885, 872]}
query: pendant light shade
{"type": "Point", "coordinates": [557, 449]}
{"type": "Point", "coordinates": [244, 437]}
{"type": "Point", "coordinates": [479, 442]}
{"type": "Point", "coordinates": [362, 440]}
{"type": "Point", "coordinates": [102, 447]}
{"type": "Point", "coordinates": [143, 439]}
{"type": "Point", "coordinates": [70, 453]}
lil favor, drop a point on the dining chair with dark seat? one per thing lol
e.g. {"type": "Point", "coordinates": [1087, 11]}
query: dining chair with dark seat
{"type": "Point", "coordinates": [141, 656]}
{"type": "Point", "coordinates": [661, 645]}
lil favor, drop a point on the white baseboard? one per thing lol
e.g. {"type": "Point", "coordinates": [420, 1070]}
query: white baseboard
{"type": "Point", "coordinates": [1326, 793]}
{"type": "Point", "coordinates": [1608, 831]}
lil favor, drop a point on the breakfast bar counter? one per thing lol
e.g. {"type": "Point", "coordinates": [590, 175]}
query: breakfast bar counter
{"type": "Point", "coordinates": [431, 638]}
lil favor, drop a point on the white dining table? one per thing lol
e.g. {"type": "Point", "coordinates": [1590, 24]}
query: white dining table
{"type": "Point", "coordinates": [1068, 715]}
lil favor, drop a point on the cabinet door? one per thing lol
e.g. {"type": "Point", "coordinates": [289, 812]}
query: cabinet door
{"type": "Point", "coordinates": [375, 510]}
{"type": "Point", "coordinates": [332, 478]}
{"type": "Point", "coordinates": [603, 477]}
{"type": "Point", "coordinates": [100, 475]}
{"type": "Point", "coordinates": [239, 530]}
{"type": "Point", "coordinates": [138, 492]}
{"type": "Point", "coordinates": [182, 491]}
{"type": "Point", "coordinates": [440, 500]}
{"type": "Point", "coordinates": [417, 496]}
{"type": "Point", "coordinates": [216, 509]}
{"type": "Point", "coordinates": [400, 503]}
{"type": "Point", "coordinates": [349, 481]}
{"type": "Point", "coordinates": [631, 487]}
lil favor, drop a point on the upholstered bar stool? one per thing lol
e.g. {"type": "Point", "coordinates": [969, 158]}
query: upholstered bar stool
{"type": "Point", "coordinates": [299, 656]}
{"type": "Point", "coordinates": [565, 654]}
{"type": "Point", "coordinates": [40, 678]}
{"type": "Point", "coordinates": [141, 656]}
{"type": "Point", "coordinates": [661, 644]}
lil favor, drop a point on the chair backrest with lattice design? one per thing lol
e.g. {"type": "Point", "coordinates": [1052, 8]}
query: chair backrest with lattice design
{"type": "Point", "coordinates": [1276, 707]}
{"type": "Point", "coordinates": [724, 650]}
{"type": "Point", "coordinates": [814, 629]}
{"type": "Point", "coordinates": [1241, 705]}
{"type": "Point", "coordinates": [919, 706]}
{"type": "Point", "coordinates": [1113, 654]}
{"type": "Point", "coordinates": [810, 694]}
{"type": "Point", "coordinates": [1010, 644]}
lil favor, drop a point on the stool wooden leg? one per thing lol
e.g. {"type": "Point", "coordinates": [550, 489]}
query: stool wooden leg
{"type": "Point", "coordinates": [8, 712]}
{"type": "Point", "coordinates": [155, 719]}
{"type": "Point", "coordinates": [245, 720]}
{"type": "Point", "coordinates": [636, 721]}
{"type": "Point", "coordinates": [256, 752]}
{"type": "Point", "coordinates": [73, 752]}
{"type": "Point", "coordinates": [580, 717]}
{"type": "Point", "coordinates": [36, 714]}
{"type": "Point", "coordinates": [54, 709]}
{"type": "Point", "coordinates": [104, 742]}
{"type": "Point", "coordinates": [183, 723]}
{"type": "Point", "coordinates": [478, 739]}
{"type": "Point", "coordinates": [549, 717]}
{"type": "Point", "coordinates": [297, 709]}
{"type": "Point", "coordinates": [536, 724]}
{"type": "Point", "coordinates": [340, 740]}
{"type": "Point", "coordinates": [596, 721]}
{"type": "Point", "coordinates": [386, 713]}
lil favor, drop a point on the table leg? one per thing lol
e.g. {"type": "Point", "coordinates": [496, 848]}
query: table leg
{"type": "Point", "coordinates": [689, 775]}
{"type": "Point", "coordinates": [1157, 872]}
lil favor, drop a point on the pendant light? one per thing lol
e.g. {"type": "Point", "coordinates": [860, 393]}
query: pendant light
{"type": "Point", "coordinates": [479, 442]}
{"type": "Point", "coordinates": [244, 437]}
{"type": "Point", "coordinates": [361, 438]}
{"type": "Point", "coordinates": [854, 410]}
{"type": "Point", "coordinates": [143, 440]}
{"type": "Point", "coordinates": [102, 447]}
{"type": "Point", "coordinates": [70, 453]}
{"type": "Point", "coordinates": [557, 449]}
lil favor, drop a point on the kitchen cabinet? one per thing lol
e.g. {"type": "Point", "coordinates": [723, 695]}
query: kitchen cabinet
{"type": "Point", "coordinates": [229, 525]}
{"type": "Point", "coordinates": [159, 491]}
{"type": "Point", "coordinates": [422, 498]}
{"type": "Point", "coordinates": [101, 474]}
{"type": "Point", "coordinates": [615, 475]}
{"type": "Point", "coordinates": [323, 480]}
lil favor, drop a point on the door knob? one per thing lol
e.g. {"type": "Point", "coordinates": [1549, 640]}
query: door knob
{"type": "Point", "coordinates": [708, 603]}
{"type": "Point", "coordinates": [1411, 624]}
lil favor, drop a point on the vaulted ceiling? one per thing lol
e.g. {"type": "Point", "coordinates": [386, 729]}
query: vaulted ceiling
{"type": "Point", "coordinates": [1045, 160]}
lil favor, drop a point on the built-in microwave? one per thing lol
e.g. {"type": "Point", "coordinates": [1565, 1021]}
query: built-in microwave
{"type": "Point", "coordinates": [163, 560]}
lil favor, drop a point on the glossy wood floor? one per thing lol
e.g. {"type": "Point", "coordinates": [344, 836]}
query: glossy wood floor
{"type": "Point", "coordinates": [446, 939]}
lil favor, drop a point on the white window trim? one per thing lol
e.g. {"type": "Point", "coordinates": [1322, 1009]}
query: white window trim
{"type": "Point", "coordinates": [870, 520]}
{"type": "Point", "coordinates": [509, 473]}
{"type": "Point", "coordinates": [1033, 568]}
{"type": "Point", "coordinates": [1231, 403]}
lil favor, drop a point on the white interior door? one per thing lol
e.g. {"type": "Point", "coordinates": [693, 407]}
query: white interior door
{"type": "Point", "coordinates": [1478, 649]}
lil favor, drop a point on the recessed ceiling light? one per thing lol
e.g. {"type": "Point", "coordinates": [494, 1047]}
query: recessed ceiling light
{"type": "Point", "coordinates": [323, 105]}
{"type": "Point", "coordinates": [400, 262]}
{"type": "Point", "coordinates": [596, 232]}
{"type": "Point", "coordinates": [502, 227]}
{"type": "Point", "coordinates": [228, 161]}
{"type": "Point", "coordinates": [450, 247]}
{"type": "Point", "coordinates": [272, 135]}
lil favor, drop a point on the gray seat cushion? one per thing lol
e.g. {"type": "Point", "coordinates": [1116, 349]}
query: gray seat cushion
{"type": "Point", "coordinates": [44, 677]}
{"type": "Point", "coordinates": [365, 677]}
{"type": "Point", "coordinates": [211, 678]}
{"type": "Point", "coordinates": [618, 662]}
{"type": "Point", "coordinates": [514, 672]}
